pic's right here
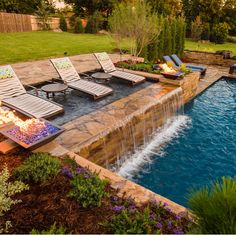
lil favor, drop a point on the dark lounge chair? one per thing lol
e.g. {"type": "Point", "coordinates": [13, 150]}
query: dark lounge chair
{"type": "Point", "coordinates": [178, 62]}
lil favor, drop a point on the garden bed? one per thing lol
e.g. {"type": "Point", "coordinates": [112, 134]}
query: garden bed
{"type": "Point", "coordinates": [66, 197]}
{"type": "Point", "coordinates": [138, 66]}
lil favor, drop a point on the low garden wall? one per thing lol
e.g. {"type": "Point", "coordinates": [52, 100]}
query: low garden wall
{"type": "Point", "coordinates": [208, 58]}
{"type": "Point", "coordinates": [189, 83]}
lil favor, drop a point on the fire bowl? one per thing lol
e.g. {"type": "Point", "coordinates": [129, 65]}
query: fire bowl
{"type": "Point", "coordinates": [32, 141]}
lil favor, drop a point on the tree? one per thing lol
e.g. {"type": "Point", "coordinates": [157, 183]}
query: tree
{"type": "Point", "coordinates": [136, 22]}
{"type": "Point", "coordinates": [229, 15]}
{"type": "Point", "coordinates": [89, 7]}
{"type": "Point", "coordinates": [43, 13]}
{"type": "Point", "coordinates": [170, 8]}
{"type": "Point", "coordinates": [24, 6]}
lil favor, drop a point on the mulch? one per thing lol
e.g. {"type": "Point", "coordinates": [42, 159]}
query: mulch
{"type": "Point", "coordinates": [14, 159]}
{"type": "Point", "coordinates": [48, 202]}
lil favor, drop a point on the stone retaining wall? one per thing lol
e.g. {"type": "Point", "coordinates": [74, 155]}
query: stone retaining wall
{"type": "Point", "coordinates": [189, 85]}
{"type": "Point", "coordinates": [207, 58]}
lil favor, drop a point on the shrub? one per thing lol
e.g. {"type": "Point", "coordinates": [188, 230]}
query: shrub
{"type": "Point", "coordinates": [124, 223]}
{"type": "Point", "coordinates": [169, 41]}
{"type": "Point", "coordinates": [215, 207]}
{"type": "Point", "coordinates": [53, 230]}
{"type": "Point", "coordinates": [6, 227]}
{"type": "Point", "coordinates": [220, 33]}
{"type": "Point", "coordinates": [205, 32]}
{"type": "Point", "coordinates": [63, 25]}
{"type": "Point", "coordinates": [152, 218]}
{"type": "Point", "coordinates": [37, 168]}
{"type": "Point", "coordinates": [94, 23]}
{"type": "Point", "coordinates": [196, 29]}
{"type": "Point", "coordinates": [78, 27]}
{"type": "Point", "coordinates": [8, 189]}
{"type": "Point", "coordinates": [87, 188]}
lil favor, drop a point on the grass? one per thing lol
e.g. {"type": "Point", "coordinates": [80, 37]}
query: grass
{"type": "Point", "coordinates": [29, 46]}
{"type": "Point", "coordinates": [211, 47]}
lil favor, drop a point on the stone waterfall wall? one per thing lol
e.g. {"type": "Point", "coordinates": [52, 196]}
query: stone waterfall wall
{"type": "Point", "coordinates": [132, 131]}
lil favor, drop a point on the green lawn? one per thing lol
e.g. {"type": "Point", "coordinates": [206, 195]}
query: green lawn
{"type": "Point", "coordinates": [211, 47]}
{"type": "Point", "coordinates": [28, 46]}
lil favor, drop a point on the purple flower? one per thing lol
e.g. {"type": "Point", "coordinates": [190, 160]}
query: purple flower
{"type": "Point", "coordinates": [66, 172]}
{"type": "Point", "coordinates": [169, 224]}
{"type": "Point", "coordinates": [152, 216]}
{"type": "Point", "coordinates": [118, 208]}
{"type": "Point", "coordinates": [114, 198]}
{"type": "Point", "coordinates": [81, 170]}
{"type": "Point", "coordinates": [169, 210]}
{"type": "Point", "coordinates": [86, 176]}
{"type": "Point", "coordinates": [165, 204]}
{"type": "Point", "coordinates": [159, 225]}
{"type": "Point", "coordinates": [178, 217]}
{"type": "Point", "coordinates": [178, 231]}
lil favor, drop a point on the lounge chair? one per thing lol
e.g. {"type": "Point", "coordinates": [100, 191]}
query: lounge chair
{"type": "Point", "coordinates": [108, 67]}
{"type": "Point", "coordinates": [14, 95]}
{"type": "Point", "coordinates": [169, 59]}
{"type": "Point", "coordinates": [178, 62]}
{"type": "Point", "coordinates": [69, 75]}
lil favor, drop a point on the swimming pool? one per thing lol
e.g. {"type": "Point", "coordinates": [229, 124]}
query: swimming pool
{"type": "Point", "coordinates": [192, 149]}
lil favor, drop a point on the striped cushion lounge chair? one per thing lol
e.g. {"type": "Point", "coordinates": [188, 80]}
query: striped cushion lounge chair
{"type": "Point", "coordinates": [69, 75]}
{"type": "Point", "coordinates": [178, 62]}
{"type": "Point", "coordinates": [14, 95]}
{"type": "Point", "coordinates": [108, 67]}
{"type": "Point", "coordinates": [169, 59]}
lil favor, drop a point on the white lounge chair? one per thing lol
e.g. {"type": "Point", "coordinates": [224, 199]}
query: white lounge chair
{"type": "Point", "coordinates": [108, 67]}
{"type": "Point", "coordinates": [69, 75]}
{"type": "Point", "coordinates": [14, 95]}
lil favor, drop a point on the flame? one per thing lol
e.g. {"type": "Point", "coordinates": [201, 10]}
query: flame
{"type": "Point", "coordinates": [166, 68]}
{"type": "Point", "coordinates": [30, 126]}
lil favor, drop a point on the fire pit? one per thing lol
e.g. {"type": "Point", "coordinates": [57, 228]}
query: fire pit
{"type": "Point", "coordinates": [31, 133]}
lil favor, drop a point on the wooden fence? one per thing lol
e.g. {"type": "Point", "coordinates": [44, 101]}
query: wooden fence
{"type": "Point", "coordinates": [10, 22]}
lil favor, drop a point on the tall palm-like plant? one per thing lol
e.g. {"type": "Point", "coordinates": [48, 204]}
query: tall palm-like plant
{"type": "Point", "coordinates": [215, 207]}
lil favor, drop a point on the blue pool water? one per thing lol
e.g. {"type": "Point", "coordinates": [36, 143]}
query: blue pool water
{"type": "Point", "coordinates": [199, 146]}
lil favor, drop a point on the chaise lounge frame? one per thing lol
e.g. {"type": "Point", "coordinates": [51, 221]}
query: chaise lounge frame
{"type": "Point", "coordinates": [14, 96]}
{"type": "Point", "coordinates": [108, 67]}
{"type": "Point", "coordinates": [70, 76]}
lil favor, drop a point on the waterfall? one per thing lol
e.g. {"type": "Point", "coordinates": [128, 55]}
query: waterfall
{"type": "Point", "coordinates": [144, 155]}
{"type": "Point", "coordinates": [145, 134]}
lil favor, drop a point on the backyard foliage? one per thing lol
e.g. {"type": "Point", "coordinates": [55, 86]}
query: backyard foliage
{"type": "Point", "coordinates": [154, 218]}
{"type": "Point", "coordinates": [87, 188]}
{"type": "Point", "coordinates": [215, 207]}
{"type": "Point", "coordinates": [88, 7]}
{"type": "Point", "coordinates": [24, 6]}
{"type": "Point", "coordinates": [37, 168]}
{"type": "Point", "coordinates": [170, 41]}
{"type": "Point", "coordinates": [78, 27]}
{"type": "Point", "coordinates": [63, 25]}
{"type": "Point", "coordinates": [135, 22]}
{"type": "Point", "coordinates": [94, 23]}
{"type": "Point", "coordinates": [54, 229]}
{"type": "Point", "coordinates": [7, 190]}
